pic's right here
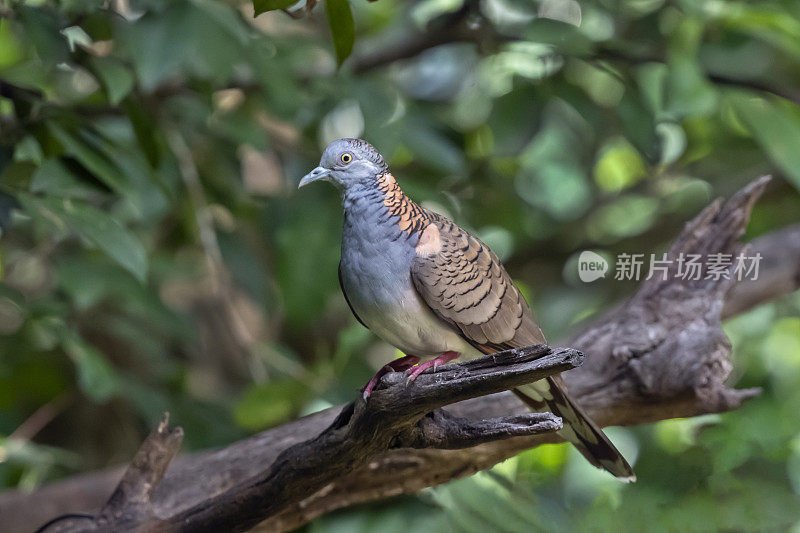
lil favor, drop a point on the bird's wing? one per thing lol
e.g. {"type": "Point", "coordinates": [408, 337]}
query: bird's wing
{"type": "Point", "coordinates": [346, 299]}
{"type": "Point", "coordinates": [465, 285]}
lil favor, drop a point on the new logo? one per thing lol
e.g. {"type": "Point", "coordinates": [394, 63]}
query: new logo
{"type": "Point", "coordinates": [591, 266]}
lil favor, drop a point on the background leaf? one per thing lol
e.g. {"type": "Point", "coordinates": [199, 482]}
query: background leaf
{"type": "Point", "coordinates": [98, 228]}
{"type": "Point", "coordinates": [340, 21]}
{"type": "Point", "coordinates": [262, 6]}
{"type": "Point", "coordinates": [775, 125]}
{"type": "Point", "coordinates": [96, 376]}
{"type": "Point", "coordinates": [115, 76]}
{"type": "Point", "coordinates": [163, 143]}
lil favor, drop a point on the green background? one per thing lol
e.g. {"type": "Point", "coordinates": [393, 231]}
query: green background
{"type": "Point", "coordinates": [156, 256]}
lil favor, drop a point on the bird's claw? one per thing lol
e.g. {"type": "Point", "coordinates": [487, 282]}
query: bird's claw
{"type": "Point", "coordinates": [444, 358]}
{"type": "Point", "coordinates": [395, 366]}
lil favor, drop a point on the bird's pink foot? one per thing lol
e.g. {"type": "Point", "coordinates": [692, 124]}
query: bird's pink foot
{"type": "Point", "coordinates": [398, 365]}
{"type": "Point", "coordinates": [446, 357]}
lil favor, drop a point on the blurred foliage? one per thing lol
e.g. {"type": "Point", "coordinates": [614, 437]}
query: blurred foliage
{"type": "Point", "coordinates": [155, 256]}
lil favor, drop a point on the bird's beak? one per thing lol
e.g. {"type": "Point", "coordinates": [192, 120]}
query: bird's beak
{"type": "Point", "coordinates": [316, 174]}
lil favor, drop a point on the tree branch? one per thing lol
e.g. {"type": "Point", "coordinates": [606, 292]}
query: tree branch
{"type": "Point", "coordinates": [480, 31]}
{"type": "Point", "coordinates": [466, 25]}
{"type": "Point", "coordinates": [613, 54]}
{"type": "Point", "coordinates": [661, 354]}
{"type": "Point", "coordinates": [780, 271]}
{"type": "Point", "coordinates": [395, 416]}
{"type": "Point", "coordinates": [130, 503]}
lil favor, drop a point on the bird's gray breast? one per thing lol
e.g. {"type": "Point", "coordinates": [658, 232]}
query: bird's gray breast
{"type": "Point", "coordinates": [376, 269]}
{"type": "Point", "coordinates": [376, 277]}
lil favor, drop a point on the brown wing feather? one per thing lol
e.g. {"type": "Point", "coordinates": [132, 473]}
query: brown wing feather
{"type": "Point", "coordinates": [465, 285]}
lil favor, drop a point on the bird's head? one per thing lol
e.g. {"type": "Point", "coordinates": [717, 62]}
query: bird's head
{"type": "Point", "coordinates": [347, 162]}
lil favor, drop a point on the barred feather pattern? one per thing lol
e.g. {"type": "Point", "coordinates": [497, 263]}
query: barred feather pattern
{"type": "Point", "coordinates": [411, 218]}
{"type": "Point", "coordinates": [550, 395]}
{"type": "Point", "coordinates": [466, 285]}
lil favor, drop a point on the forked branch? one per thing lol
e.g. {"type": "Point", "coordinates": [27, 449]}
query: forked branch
{"type": "Point", "coordinates": [397, 415]}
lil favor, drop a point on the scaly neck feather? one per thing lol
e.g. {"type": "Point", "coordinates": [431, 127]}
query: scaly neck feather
{"type": "Point", "coordinates": [385, 198]}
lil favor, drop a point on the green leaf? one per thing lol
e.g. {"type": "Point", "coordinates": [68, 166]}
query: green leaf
{"type": "Point", "coordinates": [769, 23]}
{"type": "Point", "coordinates": [54, 178]}
{"type": "Point", "coordinates": [201, 38]}
{"type": "Point", "coordinates": [114, 163]}
{"type": "Point", "coordinates": [619, 166]}
{"type": "Point", "coordinates": [10, 293]}
{"type": "Point", "coordinates": [262, 6]}
{"type": "Point", "coordinates": [567, 38]}
{"type": "Point", "coordinates": [98, 228]}
{"type": "Point", "coordinates": [340, 20]}
{"type": "Point", "coordinates": [652, 78]}
{"type": "Point", "coordinates": [624, 217]}
{"type": "Point", "coordinates": [76, 36]}
{"type": "Point", "coordinates": [688, 91]}
{"type": "Point", "coordinates": [96, 376]}
{"type": "Point", "coordinates": [10, 49]}
{"type": "Point", "coordinates": [83, 146]}
{"type": "Point", "coordinates": [269, 403]}
{"type": "Point", "coordinates": [427, 10]}
{"type": "Point", "coordinates": [28, 149]}
{"type": "Point", "coordinates": [6, 152]}
{"type": "Point", "coordinates": [42, 26]}
{"type": "Point", "coordinates": [304, 273]}
{"type": "Point", "coordinates": [116, 77]}
{"type": "Point", "coordinates": [434, 149]}
{"type": "Point", "coordinates": [775, 126]}
{"type": "Point", "coordinates": [145, 130]}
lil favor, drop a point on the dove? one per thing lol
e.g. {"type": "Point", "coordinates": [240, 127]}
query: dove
{"type": "Point", "coordinates": [434, 291]}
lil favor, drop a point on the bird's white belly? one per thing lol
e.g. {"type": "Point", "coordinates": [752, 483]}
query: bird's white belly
{"type": "Point", "coordinates": [410, 326]}
{"type": "Point", "coordinates": [391, 308]}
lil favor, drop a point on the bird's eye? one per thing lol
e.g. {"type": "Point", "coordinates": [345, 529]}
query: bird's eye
{"type": "Point", "coordinates": [346, 158]}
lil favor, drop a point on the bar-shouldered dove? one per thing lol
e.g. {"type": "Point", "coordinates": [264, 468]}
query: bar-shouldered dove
{"type": "Point", "coordinates": [429, 288]}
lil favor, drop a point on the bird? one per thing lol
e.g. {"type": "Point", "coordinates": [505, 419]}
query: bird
{"type": "Point", "coordinates": [436, 292]}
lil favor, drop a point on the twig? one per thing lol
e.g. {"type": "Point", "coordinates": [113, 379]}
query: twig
{"type": "Point", "coordinates": [130, 504]}
{"type": "Point", "coordinates": [614, 54]}
{"type": "Point", "coordinates": [222, 287]}
{"type": "Point", "coordinates": [41, 417]}
{"type": "Point", "coordinates": [464, 25]}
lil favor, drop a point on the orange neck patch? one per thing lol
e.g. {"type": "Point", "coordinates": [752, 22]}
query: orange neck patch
{"type": "Point", "coordinates": [411, 217]}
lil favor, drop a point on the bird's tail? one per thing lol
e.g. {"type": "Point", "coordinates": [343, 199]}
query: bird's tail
{"type": "Point", "coordinates": [549, 395]}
